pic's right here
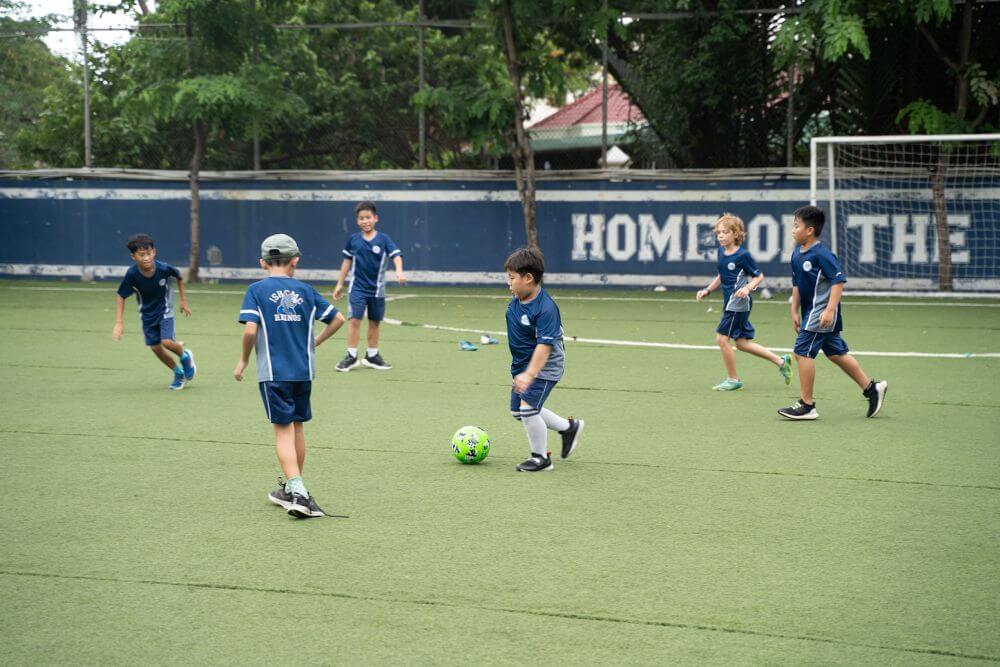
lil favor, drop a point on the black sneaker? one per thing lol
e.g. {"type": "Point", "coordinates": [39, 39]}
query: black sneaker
{"type": "Point", "coordinates": [875, 393]}
{"type": "Point", "coordinates": [571, 436]}
{"type": "Point", "coordinates": [800, 411]}
{"type": "Point", "coordinates": [279, 496]}
{"type": "Point", "coordinates": [304, 508]}
{"type": "Point", "coordinates": [347, 363]}
{"type": "Point", "coordinates": [537, 463]}
{"type": "Point", "coordinates": [376, 362]}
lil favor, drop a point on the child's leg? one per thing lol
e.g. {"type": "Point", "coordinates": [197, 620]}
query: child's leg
{"type": "Point", "coordinates": [807, 377]}
{"type": "Point", "coordinates": [177, 347]}
{"type": "Point", "coordinates": [553, 421]}
{"type": "Point", "coordinates": [850, 365]}
{"type": "Point", "coordinates": [728, 356]}
{"type": "Point", "coordinates": [284, 447]}
{"type": "Point", "coordinates": [300, 446]}
{"type": "Point", "coordinates": [374, 326]}
{"type": "Point", "coordinates": [538, 435]}
{"type": "Point", "coordinates": [353, 335]}
{"type": "Point", "coordinates": [164, 356]}
{"type": "Point", "coordinates": [758, 350]}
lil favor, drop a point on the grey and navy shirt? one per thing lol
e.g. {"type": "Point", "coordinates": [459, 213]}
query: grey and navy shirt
{"type": "Point", "coordinates": [154, 293]}
{"type": "Point", "coordinates": [815, 271]}
{"type": "Point", "coordinates": [735, 271]}
{"type": "Point", "coordinates": [369, 262]}
{"type": "Point", "coordinates": [531, 323]}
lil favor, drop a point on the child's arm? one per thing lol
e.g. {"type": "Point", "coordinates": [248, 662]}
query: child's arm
{"type": "Point", "coordinates": [796, 315]}
{"type": "Point", "coordinates": [116, 333]}
{"type": "Point", "coordinates": [184, 299]}
{"type": "Point", "coordinates": [538, 358]}
{"type": "Point", "coordinates": [754, 283]}
{"type": "Point", "coordinates": [249, 338]}
{"type": "Point", "coordinates": [712, 286]}
{"type": "Point", "coordinates": [829, 314]}
{"type": "Point", "coordinates": [329, 330]}
{"type": "Point", "coordinates": [345, 266]}
{"type": "Point", "coordinates": [400, 276]}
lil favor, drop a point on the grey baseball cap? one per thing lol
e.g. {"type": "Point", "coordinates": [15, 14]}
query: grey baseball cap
{"type": "Point", "coordinates": [279, 246]}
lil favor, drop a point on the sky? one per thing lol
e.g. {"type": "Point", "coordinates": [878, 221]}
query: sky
{"type": "Point", "coordinates": [65, 43]}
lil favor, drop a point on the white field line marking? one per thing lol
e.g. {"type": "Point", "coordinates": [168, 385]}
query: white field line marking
{"type": "Point", "coordinates": [758, 301]}
{"type": "Point", "coordinates": [684, 346]}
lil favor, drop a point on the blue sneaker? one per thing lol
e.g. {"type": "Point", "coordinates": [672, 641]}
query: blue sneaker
{"type": "Point", "coordinates": [178, 382]}
{"type": "Point", "coordinates": [187, 361]}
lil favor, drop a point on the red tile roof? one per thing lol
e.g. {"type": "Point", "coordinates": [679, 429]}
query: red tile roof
{"type": "Point", "coordinates": [587, 109]}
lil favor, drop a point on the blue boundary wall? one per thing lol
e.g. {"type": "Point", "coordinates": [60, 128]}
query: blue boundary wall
{"type": "Point", "coordinates": [594, 231]}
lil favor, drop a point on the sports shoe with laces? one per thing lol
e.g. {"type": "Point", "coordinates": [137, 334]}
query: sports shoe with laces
{"type": "Point", "coordinates": [800, 411]}
{"type": "Point", "coordinates": [786, 368]}
{"type": "Point", "coordinates": [347, 363]}
{"type": "Point", "coordinates": [187, 362]}
{"type": "Point", "coordinates": [279, 496]}
{"type": "Point", "coordinates": [537, 463]}
{"type": "Point", "coordinates": [571, 436]}
{"type": "Point", "coordinates": [377, 362]}
{"type": "Point", "coordinates": [178, 382]}
{"type": "Point", "coordinates": [304, 508]}
{"type": "Point", "coordinates": [728, 385]}
{"type": "Point", "coordinates": [875, 393]}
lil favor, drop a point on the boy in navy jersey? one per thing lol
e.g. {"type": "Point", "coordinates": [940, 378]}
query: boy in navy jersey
{"type": "Point", "coordinates": [739, 276]}
{"type": "Point", "coordinates": [818, 283]}
{"type": "Point", "coordinates": [278, 314]}
{"type": "Point", "coordinates": [534, 333]}
{"type": "Point", "coordinates": [150, 281]}
{"type": "Point", "coordinates": [366, 256]}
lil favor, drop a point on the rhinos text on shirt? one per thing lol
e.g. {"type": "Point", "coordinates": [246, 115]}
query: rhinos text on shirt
{"type": "Point", "coordinates": [370, 259]}
{"type": "Point", "coordinates": [284, 310]}
{"type": "Point", "coordinates": [815, 271]}
{"type": "Point", "coordinates": [531, 323]}
{"type": "Point", "coordinates": [154, 294]}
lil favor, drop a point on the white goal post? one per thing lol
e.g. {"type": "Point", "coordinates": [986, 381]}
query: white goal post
{"type": "Point", "coordinates": [912, 213]}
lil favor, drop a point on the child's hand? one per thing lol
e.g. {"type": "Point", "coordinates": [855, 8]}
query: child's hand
{"type": "Point", "coordinates": [185, 309]}
{"type": "Point", "coordinates": [238, 371]}
{"type": "Point", "coordinates": [116, 333]}
{"type": "Point", "coordinates": [743, 292]}
{"type": "Point", "coordinates": [336, 292]}
{"type": "Point", "coordinates": [400, 277]}
{"type": "Point", "coordinates": [522, 381]}
{"type": "Point", "coordinates": [702, 293]}
{"type": "Point", "coordinates": [796, 321]}
{"type": "Point", "coordinates": [826, 318]}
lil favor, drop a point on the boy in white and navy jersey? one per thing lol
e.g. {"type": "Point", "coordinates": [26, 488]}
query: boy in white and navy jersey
{"type": "Point", "coordinates": [366, 256]}
{"type": "Point", "coordinates": [152, 283]}
{"type": "Point", "coordinates": [818, 283]}
{"type": "Point", "coordinates": [535, 337]}
{"type": "Point", "coordinates": [278, 314]}
{"type": "Point", "coordinates": [739, 276]}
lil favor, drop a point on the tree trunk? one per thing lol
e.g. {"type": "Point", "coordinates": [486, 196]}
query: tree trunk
{"type": "Point", "coordinates": [938, 177]}
{"type": "Point", "coordinates": [524, 155]}
{"type": "Point", "coordinates": [196, 159]}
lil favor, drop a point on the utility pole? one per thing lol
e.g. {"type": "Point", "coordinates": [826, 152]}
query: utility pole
{"type": "Point", "coordinates": [420, 87]}
{"type": "Point", "coordinates": [80, 18]}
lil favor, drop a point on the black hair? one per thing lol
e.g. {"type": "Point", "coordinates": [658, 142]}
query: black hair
{"type": "Point", "coordinates": [364, 206]}
{"type": "Point", "coordinates": [139, 242]}
{"type": "Point", "coordinates": [812, 216]}
{"type": "Point", "coordinates": [527, 260]}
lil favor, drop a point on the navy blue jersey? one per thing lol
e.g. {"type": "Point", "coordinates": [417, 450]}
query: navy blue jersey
{"type": "Point", "coordinates": [284, 310]}
{"type": "Point", "coordinates": [735, 271]}
{"type": "Point", "coordinates": [369, 262]}
{"type": "Point", "coordinates": [815, 272]}
{"type": "Point", "coordinates": [155, 293]}
{"type": "Point", "coordinates": [531, 323]}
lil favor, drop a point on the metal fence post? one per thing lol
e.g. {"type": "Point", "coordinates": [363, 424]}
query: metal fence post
{"type": "Point", "coordinates": [420, 87]}
{"type": "Point", "coordinates": [80, 18]}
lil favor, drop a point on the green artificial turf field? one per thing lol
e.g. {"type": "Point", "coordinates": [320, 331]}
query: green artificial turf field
{"type": "Point", "coordinates": [690, 526]}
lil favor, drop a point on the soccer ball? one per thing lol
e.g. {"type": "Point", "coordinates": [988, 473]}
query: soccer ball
{"type": "Point", "coordinates": [470, 444]}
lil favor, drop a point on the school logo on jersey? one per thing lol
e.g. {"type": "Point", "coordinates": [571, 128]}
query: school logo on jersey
{"type": "Point", "coordinates": [376, 249]}
{"type": "Point", "coordinates": [286, 300]}
{"type": "Point", "coordinates": [731, 266]}
{"type": "Point", "coordinates": [163, 282]}
{"type": "Point", "coordinates": [807, 265]}
{"type": "Point", "coordinates": [525, 321]}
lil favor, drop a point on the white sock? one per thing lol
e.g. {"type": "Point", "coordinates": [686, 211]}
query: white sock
{"type": "Point", "coordinates": [554, 421]}
{"type": "Point", "coordinates": [353, 351]}
{"type": "Point", "coordinates": [537, 434]}
{"type": "Point", "coordinates": [372, 351]}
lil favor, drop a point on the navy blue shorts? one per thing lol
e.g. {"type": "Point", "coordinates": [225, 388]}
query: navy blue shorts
{"type": "Point", "coordinates": [809, 343]}
{"type": "Point", "coordinates": [735, 325]}
{"type": "Point", "coordinates": [287, 402]}
{"type": "Point", "coordinates": [357, 304]}
{"type": "Point", "coordinates": [538, 391]}
{"type": "Point", "coordinates": [160, 330]}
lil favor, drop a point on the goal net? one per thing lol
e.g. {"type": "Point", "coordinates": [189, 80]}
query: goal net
{"type": "Point", "coordinates": [912, 213]}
